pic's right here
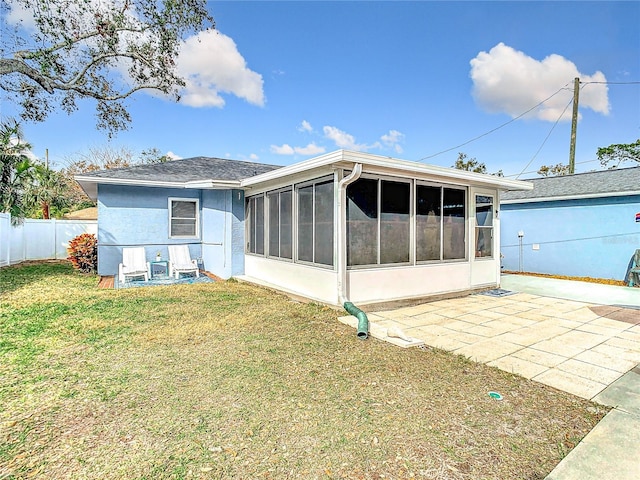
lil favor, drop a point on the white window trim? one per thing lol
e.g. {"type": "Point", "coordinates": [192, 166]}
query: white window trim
{"type": "Point", "coordinates": [312, 183]}
{"type": "Point", "coordinates": [180, 199]}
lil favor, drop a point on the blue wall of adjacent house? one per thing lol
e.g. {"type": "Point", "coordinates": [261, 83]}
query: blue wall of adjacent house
{"type": "Point", "coordinates": [139, 216]}
{"type": "Point", "coordinates": [591, 237]}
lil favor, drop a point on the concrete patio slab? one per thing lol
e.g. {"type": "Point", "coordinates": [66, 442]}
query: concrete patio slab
{"type": "Point", "coordinates": [608, 451]}
{"type": "Point", "coordinates": [577, 337]}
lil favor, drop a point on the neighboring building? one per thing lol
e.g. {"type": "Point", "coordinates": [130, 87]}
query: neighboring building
{"type": "Point", "coordinates": [585, 225]}
{"type": "Point", "coordinates": [342, 225]}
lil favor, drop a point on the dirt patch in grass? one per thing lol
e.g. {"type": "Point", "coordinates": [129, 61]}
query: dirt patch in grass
{"type": "Point", "coordinates": [228, 380]}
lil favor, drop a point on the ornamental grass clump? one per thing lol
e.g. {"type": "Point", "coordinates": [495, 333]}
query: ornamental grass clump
{"type": "Point", "coordinates": [83, 252]}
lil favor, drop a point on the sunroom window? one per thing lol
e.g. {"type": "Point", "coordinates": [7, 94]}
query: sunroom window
{"type": "Point", "coordinates": [484, 226]}
{"type": "Point", "coordinates": [378, 222]}
{"type": "Point", "coordinates": [315, 223]}
{"type": "Point", "coordinates": [440, 223]}
{"type": "Point", "coordinates": [255, 227]}
{"type": "Point", "coordinates": [280, 231]}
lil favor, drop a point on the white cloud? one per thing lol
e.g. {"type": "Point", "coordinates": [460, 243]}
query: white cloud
{"type": "Point", "coordinates": [305, 127]}
{"type": "Point", "coordinates": [173, 156]}
{"type": "Point", "coordinates": [211, 64]}
{"type": "Point", "coordinates": [345, 140]}
{"type": "Point", "coordinates": [311, 149]}
{"type": "Point", "coordinates": [393, 139]}
{"type": "Point", "coordinates": [509, 81]}
{"type": "Point", "coordinates": [286, 149]}
{"type": "Point", "coordinates": [282, 150]}
{"type": "Point", "coordinates": [254, 157]}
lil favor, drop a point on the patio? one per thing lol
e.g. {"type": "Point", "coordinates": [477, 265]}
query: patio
{"type": "Point", "coordinates": [573, 346]}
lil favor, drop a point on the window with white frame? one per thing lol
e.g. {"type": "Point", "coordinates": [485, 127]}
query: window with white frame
{"type": "Point", "coordinates": [280, 239]}
{"type": "Point", "coordinates": [440, 223]}
{"type": "Point", "coordinates": [315, 222]}
{"type": "Point", "coordinates": [255, 225]}
{"type": "Point", "coordinates": [183, 217]}
{"type": "Point", "coordinates": [484, 226]}
{"type": "Point", "coordinates": [378, 222]}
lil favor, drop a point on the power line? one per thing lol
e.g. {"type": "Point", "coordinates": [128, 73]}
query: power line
{"type": "Point", "coordinates": [497, 128]}
{"type": "Point", "coordinates": [545, 139]}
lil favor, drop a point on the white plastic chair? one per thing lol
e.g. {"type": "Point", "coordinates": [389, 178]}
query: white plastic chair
{"type": "Point", "coordinates": [134, 264]}
{"type": "Point", "coordinates": [181, 262]}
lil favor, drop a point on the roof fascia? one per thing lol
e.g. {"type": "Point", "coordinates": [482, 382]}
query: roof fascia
{"type": "Point", "coordinates": [390, 165]}
{"type": "Point", "coordinates": [209, 183]}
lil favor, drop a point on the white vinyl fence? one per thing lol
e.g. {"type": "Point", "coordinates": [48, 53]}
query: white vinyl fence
{"type": "Point", "coordinates": [39, 239]}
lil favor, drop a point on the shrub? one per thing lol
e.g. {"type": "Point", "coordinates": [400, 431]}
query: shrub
{"type": "Point", "coordinates": [83, 252]}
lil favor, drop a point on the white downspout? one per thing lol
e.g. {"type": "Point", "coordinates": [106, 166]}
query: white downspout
{"type": "Point", "coordinates": [342, 229]}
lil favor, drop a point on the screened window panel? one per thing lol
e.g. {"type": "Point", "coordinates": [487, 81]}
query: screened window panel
{"type": "Point", "coordinates": [251, 225]}
{"type": "Point", "coordinates": [183, 228]}
{"type": "Point", "coordinates": [182, 209]}
{"type": "Point", "coordinates": [273, 200]}
{"type": "Point", "coordinates": [255, 218]}
{"type": "Point", "coordinates": [259, 225]}
{"type": "Point", "coordinates": [323, 240]}
{"type": "Point", "coordinates": [428, 222]}
{"type": "Point", "coordinates": [362, 222]}
{"type": "Point", "coordinates": [286, 231]}
{"type": "Point", "coordinates": [484, 226]}
{"type": "Point", "coordinates": [453, 206]}
{"type": "Point", "coordinates": [305, 223]}
{"type": "Point", "coordinates": [395, 227]}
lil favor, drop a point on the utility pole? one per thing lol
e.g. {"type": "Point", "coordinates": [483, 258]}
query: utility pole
{"type": "Point", "coordinates": [574, 126]}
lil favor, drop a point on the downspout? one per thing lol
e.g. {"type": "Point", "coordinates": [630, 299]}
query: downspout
{"type": "Point", "coordinates": [363, 321]}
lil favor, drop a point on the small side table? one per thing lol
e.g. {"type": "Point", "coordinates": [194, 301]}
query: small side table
{"type": "Point", "coordinates": [159, 269]}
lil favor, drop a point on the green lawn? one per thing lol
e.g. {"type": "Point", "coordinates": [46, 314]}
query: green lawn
{"type": "Point", "coordinates": [228, 380]}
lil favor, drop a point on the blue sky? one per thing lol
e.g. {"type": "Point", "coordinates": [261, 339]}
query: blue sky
{"type": "Point", "coordinates": [285, 81]}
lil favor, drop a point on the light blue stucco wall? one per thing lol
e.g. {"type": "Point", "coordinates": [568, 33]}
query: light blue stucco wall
{"type": "Point", "coordinates": [139, 216]}
{"type": "Point", "coordinates": [223, 232]}
{"type": "Point", "coordinates": [591, 237]}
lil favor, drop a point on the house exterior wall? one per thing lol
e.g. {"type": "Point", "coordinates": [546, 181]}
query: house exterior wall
{"type": "Point", "coordinates": [368, 284]}
{"type": "Point", "coordinates": [223, 232]}
{"type": "Point", "coordinates": [131, 216]}
{"type": "Point", "coordinates": [320, 284]}
{"type": "Point", "coordinates": [588, 237]}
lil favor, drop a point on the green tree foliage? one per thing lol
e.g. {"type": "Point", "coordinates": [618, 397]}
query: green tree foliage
{"type": "Point", "coordinates": [613, 155]}
{"type": "Point", "coordinates": [469, 164]}
{"type": "Point", "coordinates": [556, 170]}
{"type": "Point", "coordinates": [46, 191]}
{"type": "Point", "coordinates": [64, 51]}
{"type": "Point", "coordinates": [16, 170]}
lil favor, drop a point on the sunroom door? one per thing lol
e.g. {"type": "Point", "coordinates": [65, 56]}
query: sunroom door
{"type": "Point", "coordinates": [484, 255]}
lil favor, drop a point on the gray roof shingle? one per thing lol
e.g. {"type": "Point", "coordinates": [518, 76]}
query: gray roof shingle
{"type": "Point", "coordinates": [603, 183]}
{"type": "Point", "coordinates": [186, 170]}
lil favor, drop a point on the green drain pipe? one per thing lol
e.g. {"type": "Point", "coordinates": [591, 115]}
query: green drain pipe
{"type": "Point", "coordinates": [363, 321]}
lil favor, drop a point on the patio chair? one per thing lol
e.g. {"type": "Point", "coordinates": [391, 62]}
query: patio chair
{"type": "Point", "coordinates": [634, 271]}
{"type": "Point", "coordinates": [180, 261]}
{"type": "Point", "coordinates": [134, 264]}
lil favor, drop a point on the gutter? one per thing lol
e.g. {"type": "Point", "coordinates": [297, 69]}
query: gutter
{"type": "Point", "coordinates": [363, 321]}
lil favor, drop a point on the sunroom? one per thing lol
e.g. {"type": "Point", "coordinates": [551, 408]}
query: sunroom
{"type": "Point", "coordinates": [349, 226]}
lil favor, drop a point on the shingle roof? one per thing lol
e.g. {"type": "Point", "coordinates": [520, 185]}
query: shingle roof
{"type": "Point", "coordinates": [605, 183]}
{"type": "Point", "coordinates": [186, 170]}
